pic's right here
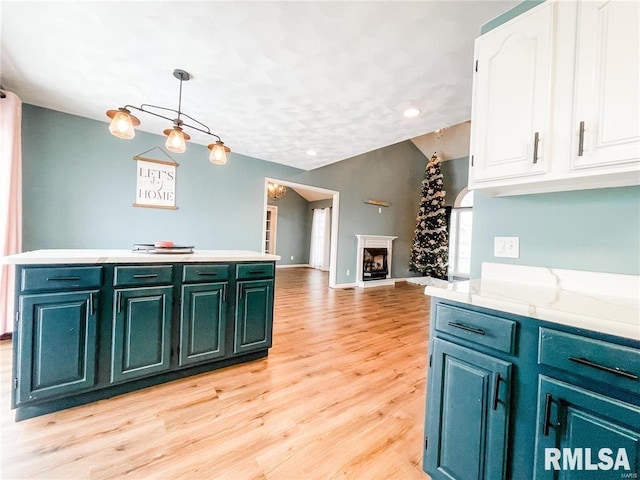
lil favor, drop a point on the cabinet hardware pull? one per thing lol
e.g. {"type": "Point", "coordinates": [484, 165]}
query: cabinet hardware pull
{"type": "Point", "coordinates": [581, 140]}
{"type": "Point", "coordinates": [255, 272]}
{"type": "Point", "coordinates": [547, 415]}
{"type": "Point", "coordinates": [91, 304]}
{"type": "Point", "coordinates": [536, 140]}
{"type": "Point", "coordinates": [208, 274]}
{"type": "Point", "coordinates": [63, 279]}
{"type": "Point", "coordinates": [604, 368]}
{"type": "Point", "coordinates": [145, 275]}
{"type": "Point", "coordinates": [224, 292]}
{"type": "Point", "coordinates": [496, 388]}
{"type": "Point", "coordinates": [467, 328]}
{"type": "Point", "coordinates": [119, 301]}
{"type": "Point", "coordinates": [240, 292]}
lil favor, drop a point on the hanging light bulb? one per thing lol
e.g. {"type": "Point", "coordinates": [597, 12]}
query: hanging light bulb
{"type": "Point", "coordinates": [122, 123]}
{"type": "Point", "coordinates": [176, 139]}
{"type": "Point", "coordinates": [218, 155]}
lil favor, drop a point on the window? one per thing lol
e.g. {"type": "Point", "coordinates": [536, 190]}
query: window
{"type": "Point", "coordinates": [460, 236]}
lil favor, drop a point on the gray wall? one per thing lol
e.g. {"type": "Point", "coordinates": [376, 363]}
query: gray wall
{"type": "Point", "coordinates": [596, 230]}
{"type": "Point", "coordinates": [293, 228]}
{"type": "Point", "coordinates": [79, 186]}
{"type": "Point", "coordinates": [455, 175]}
{"type": "Point", "coordinates": [392, 174]}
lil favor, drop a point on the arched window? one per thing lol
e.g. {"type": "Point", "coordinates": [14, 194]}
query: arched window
{"type": "Point", "coordinates": [460, 236]}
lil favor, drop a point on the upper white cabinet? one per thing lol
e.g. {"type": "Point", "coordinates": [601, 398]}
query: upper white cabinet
{"type": "Point", "coordinates": [607, 109]}
{"type": "Point", "coordinates": [512, 97]}
{"type": "Point", "coordinates": [556, 103]}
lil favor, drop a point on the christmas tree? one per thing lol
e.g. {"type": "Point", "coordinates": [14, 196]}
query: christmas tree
{"type": "Point", "coordinates": [429, 253]}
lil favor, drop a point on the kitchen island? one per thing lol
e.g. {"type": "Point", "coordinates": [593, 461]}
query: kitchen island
{"type": "Point", "coordinates": [534, 373]}
{"type": "Point", "coordinates": [91, 324]}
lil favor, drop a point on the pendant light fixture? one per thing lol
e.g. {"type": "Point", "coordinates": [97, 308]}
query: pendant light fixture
{"type": "Point", "coordinates": [122, 123]}
{"type": "Point", "coordinates": [276, 191]}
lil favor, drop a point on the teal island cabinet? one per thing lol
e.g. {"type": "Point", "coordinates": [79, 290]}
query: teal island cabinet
{"type": "Point", "coordinates": [91, 324]}
{"type": "Point", "coordinates": [534, 373]}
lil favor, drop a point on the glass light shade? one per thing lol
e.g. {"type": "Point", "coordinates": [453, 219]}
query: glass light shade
{"type": "Point", "coordinates": [176, 141]}
{"type": "Point", "coordinates": [121, 126]}
{"type": "Point", "coordinates": [218, 155]}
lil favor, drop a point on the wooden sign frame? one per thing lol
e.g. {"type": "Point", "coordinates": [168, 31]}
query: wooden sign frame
{"type": "Point", "coordinates": [156, 181]}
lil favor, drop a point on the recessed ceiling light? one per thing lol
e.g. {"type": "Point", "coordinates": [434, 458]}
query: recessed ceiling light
{"type": "Point", "coordinates": [412, 112]}
{"type": "Point", "coordinates": [311, 153]}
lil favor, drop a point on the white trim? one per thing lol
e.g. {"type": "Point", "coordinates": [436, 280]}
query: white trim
{"type": "Point", "coordinates": [335, 214]}
{"type": "Point", "coordinates": [296, 265]}
{"type": "Point", "coordinates": [374, 241]}
{"type": "Point", "coordinates": [273, 231]}
{"type": "Point", "coordinates": [343, 285]}
{"type": "Point", "coordinates": [460, 196]}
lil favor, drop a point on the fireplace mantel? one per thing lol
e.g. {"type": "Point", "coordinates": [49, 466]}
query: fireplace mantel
{"type": "Point", "coordinates": [373, 241]}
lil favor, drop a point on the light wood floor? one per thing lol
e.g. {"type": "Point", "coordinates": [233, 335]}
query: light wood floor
{"type": "Point", "coordinates": [341, 396]}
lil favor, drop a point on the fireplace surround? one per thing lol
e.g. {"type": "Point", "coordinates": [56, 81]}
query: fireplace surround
{"type": "Point", "coordinates": [374, 255]}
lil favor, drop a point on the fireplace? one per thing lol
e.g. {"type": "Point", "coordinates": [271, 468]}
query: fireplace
{"type": "Point", "coordinates": [374, 264]}
{"type": "Point", "coordinates": [373, 267]}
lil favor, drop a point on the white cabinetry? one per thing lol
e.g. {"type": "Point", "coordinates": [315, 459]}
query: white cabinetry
{"type": "Point", "coordinates": [512, 97]}
{"type": "Point", "coordinates": [556, 100]}
{"type": "Point", "coordinates": [607, 111]}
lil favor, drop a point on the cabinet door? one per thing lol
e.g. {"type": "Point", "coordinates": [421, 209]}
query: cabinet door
{"type": "Point", "coordinates": [202, 322]}
{"type": "Point", "coordinates": [254, 315]}
{"type": "Point", "coordinates": [573, 427]}
{"type": "Point", "coordinates": [512, 98]}
{"type": "Point", "coordinates": [141, 336]}
{"type": "Point", "coordinates": [467, 414]}
{"type": "Point", "coordinates": [607, 112]}
{"type": "Point", "coordinates": [57, 344]}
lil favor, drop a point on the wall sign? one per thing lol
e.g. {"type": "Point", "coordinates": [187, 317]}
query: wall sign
{"type": "Point", "coordinates": [155, 182]}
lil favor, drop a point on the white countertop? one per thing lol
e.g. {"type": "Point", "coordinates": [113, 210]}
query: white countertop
{"type": "Point", "coordinates": [601, 302]}
{"type": "Point", "coordinates": [58, 256]}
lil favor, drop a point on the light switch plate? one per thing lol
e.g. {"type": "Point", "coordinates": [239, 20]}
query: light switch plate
{"type": "Point", "coordinates": [507, 247]}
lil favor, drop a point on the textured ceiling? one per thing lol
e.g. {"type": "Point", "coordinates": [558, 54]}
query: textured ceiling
{"type": "Point", "coordinates": [273, 79]}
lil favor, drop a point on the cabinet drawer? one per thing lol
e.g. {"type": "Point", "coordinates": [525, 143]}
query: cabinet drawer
{"type": "Point", "coordinates": [254, 270]}
{"type": "Point", "coordinates": [142, 275]}
{"type": "Point", "coordinates": [204, 273]}
{"type": "Point", "coordinates": [598, 360]}
{"type": "Point", "coordinates": [45, 279]}
{"type": "Point", "coordinates": [480, 328]}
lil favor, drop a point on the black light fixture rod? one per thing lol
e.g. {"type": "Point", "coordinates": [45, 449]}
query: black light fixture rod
{"type": "Point", "coordinates": [142, 109]}
{"type": "Point", "coordinates": [179, 101]}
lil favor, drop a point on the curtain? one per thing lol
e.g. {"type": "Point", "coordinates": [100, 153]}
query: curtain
{"type": "Point", "coordinates": [320, 249]}
{"type": "Point", "coordinates": [10, 200]}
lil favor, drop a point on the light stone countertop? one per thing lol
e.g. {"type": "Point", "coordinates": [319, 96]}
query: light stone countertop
{"type": "Point", "coordinates": [602, 302]}
{"type": "Point", "coordinates": [64, 256]}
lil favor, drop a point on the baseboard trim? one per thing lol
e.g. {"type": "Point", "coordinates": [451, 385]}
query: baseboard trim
{"type": "Point", "coordinates": [344, 285]}
{"type": "Point", "coordinates": [296, 265]}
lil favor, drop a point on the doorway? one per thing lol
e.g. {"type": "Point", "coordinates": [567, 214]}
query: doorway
{"type": "Point", "coordinates": [312, 193]}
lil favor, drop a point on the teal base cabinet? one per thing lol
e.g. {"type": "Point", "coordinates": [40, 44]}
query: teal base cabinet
{"type": "Point", "coordinates": [469, 407]}
{"type": "Point", "coordinates": [56, 344]}
{"type": "Point", "coordinates": [89, 332]}
{"type": "Point", "coordinates": [584, 435]}
{"type": "Point", "coordinates": [511, 397]}
{"type": "Point", "coordinates": [254, 316]}
{"type": "Point", "coordinates": [141, 342]}
{"type": "Point", "coordinates": [203, 323]}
